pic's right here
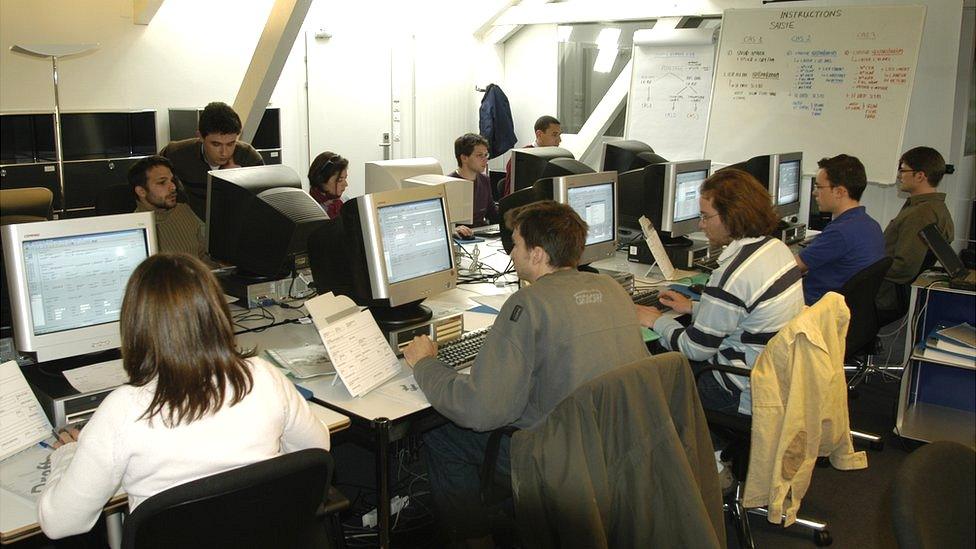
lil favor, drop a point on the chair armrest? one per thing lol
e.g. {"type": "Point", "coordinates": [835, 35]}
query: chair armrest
{"type": "Point", "coordinates": [735, 370]}
{"type": "Point", "coordinates": [487, 474]}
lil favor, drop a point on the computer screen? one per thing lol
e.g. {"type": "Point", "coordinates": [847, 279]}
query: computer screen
{"type": "Point", "coordinates": [667, 194]}
{"type": "Point", "coordinates": [415, 239]}
{"type": "Point", "coordinates": [687, 190]}
{"type": "Point", "coordinates": [529, 164]}
{"type": "Point", "coordinates": [789, 168]}
{"type": "Point", "coordinates": [67, 279]}
{"type": "Point", "coordinates": [259, 219]}
{"type": "Point", "coordinates": [594, 197]}
{"type": "Point", "coordinates": [387, 175]}
{"type": "Point", "coordinates": [595, 205]}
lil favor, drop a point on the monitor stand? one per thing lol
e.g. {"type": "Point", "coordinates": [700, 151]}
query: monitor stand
{"type": "Point", "coordinates": [675, 241]}
{"type": "Point", "coordinates": [392, 318]}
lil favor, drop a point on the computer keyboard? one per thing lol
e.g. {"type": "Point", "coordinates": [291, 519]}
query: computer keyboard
{"type": "Point", "coordinates": [460, 353]}
{"type": "Point", "coordinates": [486, 230]}
{"type": "Point", "coordinates": [650, 298]}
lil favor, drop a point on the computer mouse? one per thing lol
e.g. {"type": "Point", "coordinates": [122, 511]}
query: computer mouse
{"type": "Point", "coordinates": [466, 238]}
{"type": "Point", "coordinates": [697, 288]}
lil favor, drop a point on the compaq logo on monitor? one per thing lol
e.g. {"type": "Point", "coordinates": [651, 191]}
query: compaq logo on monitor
{"type": "Point", "coordinates": [101, 344]}
{"type": "Point", "coordinates": [587, 297]}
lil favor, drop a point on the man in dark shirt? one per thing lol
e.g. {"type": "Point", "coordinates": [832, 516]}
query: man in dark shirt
{"type": "Point", "coordinates": [852, 240]}
{"type": "Point", "coordinates": [216, 147]}
{"type": "Point", "coordinates": [548, 133]}
{"type": "Point", "coordinates": [471, 151]}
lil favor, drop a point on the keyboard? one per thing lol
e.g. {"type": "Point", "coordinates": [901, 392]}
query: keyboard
{"type": "Point", "coordinates": [460, 353]}
{"type": "Point", "coordinates": [486, 230]}
{"type": "Point", "coordinates": [649, 298]}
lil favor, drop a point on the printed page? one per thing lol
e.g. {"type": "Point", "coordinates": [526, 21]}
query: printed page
{"type": "Point", "coordinates": [361, 355]}
{"type": "Point", "coordinates": [22, 421]}
{"type": "Point", "coordinates": [96, 377]}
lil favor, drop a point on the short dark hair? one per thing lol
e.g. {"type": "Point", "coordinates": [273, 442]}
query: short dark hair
{"type": "Point", "coordinates": [324, 166]}
{"type": "Point", "coordinates": [464, 145]}
{"type": "Point", "coordinates": [543, 123]}
{"type": "Point", "coordinates": [742, 202]}
{"type": "Point", "coordinates": [177, 332]}
{"type": "Point", "coordinates": [218, 117]}
{"type": "Point", "coordinates": [845, 171]}
{"type": "Point", "coordinates": [554, 227]}
{"type": "Point", "coordinates": [926, 160]}
{"type": "Point", "coordinates": [137, 175]}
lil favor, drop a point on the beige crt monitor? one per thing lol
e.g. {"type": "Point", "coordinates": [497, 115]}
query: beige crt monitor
{"type": "Point", "coordinates": [388, 175]}
{"type": "Point", "coordinates": [460, 194]}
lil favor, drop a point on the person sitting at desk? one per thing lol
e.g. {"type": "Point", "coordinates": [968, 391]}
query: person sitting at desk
{"type": "Point", "coordinates": [178, 229]}
{"type": "Point", "coordinates": [548, 133]}
{"type": "Point", "coordinates": [194, 405]}
{"type": "Point", "coordinates": [471, 151]}
{"type": "Point", "coordinates": [754, 292]}
{"type": "Point", "coordinates": [327, 181]}
{"type": "Point", "coordinates": [919, 172]}
{"type": "Point", "coordinates": [852, 240]}
{"type": "Point", "coordinates": [216, 147]}
{"type": "Point", "coordinates": [549, 338]}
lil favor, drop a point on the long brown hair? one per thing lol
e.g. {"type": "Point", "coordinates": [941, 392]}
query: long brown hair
{"type": "Point", "coordinates": [176, 330]}
{"type": "Point", "coordinates": [742, 202]}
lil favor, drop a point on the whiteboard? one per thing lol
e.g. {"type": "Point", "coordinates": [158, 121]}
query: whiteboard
{"type": "Point", "coordinates": [823, 81]}
{"type": "Point", "coordinates": [670, 85]}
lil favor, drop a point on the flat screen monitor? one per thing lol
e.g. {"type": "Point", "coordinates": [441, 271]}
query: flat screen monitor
{"type": "Point", "coordinates": [259, 219]}
{"type": "Point", "coordinates": [460, 194]}
{"type": "Point", "coordinates": [398, 246]}
{"type": "Point", "coordinates": [624, 156]}
{"type": "Point", "coordinates": [789, 168]}
{"type": "Point", "coordinates": [67, 279]}
{"type": "Point", "coordinates": [388, 175]}
{"type": "Point", "coordinates": [594, 197]}
{"type": "Point", "coordinates": [529, 164]}
{"type": "Point", "coordinates": [667, 194]}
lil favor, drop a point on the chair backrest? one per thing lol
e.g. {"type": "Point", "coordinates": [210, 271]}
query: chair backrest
{"type": "Point", "coordinates": [327, 259]}
{"type": "Point", "coordinates": [933, 502]}
{"type": "Point", "coordinates": [860, 292]}
{"type": "Point", "coordinates": [517, 199]}
{"type": "Point", "coordinates": [272, 503]}
{"type": "Point", "coordinates": [117, 199]}
{"type": "Point", "coordinates": [25, 205]}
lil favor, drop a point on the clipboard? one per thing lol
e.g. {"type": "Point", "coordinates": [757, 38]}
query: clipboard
{"type": "Point", "coordinates": [653, 241]}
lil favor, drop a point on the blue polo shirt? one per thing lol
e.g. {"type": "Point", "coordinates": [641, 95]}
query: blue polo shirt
{"type": "Point", "coordinates": [849, 243]}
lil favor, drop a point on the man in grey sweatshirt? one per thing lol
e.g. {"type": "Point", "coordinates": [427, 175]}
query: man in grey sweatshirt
{"type": "Point", "coordinates": [549, 338]}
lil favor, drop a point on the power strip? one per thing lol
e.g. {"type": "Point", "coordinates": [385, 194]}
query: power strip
{"type": "Point", "coordinates": [397, 504]}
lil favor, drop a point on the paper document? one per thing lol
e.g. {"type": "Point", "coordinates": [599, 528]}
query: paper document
{"type": "Point", "coordinates": [660, 254]}
{"type": "Point", "coordinates": [22, 421]}
{"type": "Point", "coordinates": [303, 362]}
{"type": "Point", "coordinates": [405, 390]}
{"type": "Point", "coordinates": [25, 474]}
{"type": "Point", "coordinates": [96, 377]}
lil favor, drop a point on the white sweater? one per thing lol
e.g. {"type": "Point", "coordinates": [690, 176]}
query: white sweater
{"type": "Point", "coordinates": [118, 449]}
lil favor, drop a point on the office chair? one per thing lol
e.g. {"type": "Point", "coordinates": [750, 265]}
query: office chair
{"type": "Point", "coordinates": [273, 503]}
{"type": "Point", "coordinates": [933, 503]}
{"type": "Point", "coordinates": [117, 199]}
{"type": "Point", "coordinates": [25, 205]}
{"type": "Point", "coordinates": [903, 294]}
{"type": "Point", "coordinates": [517, 199]}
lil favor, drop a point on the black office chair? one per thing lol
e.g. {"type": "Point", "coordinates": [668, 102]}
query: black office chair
{"type": "Point", "coordinates": [933, 503]}
{"type": "Point", "coordinates": [273, 503]}
{"type": "Point", "coordinates": [517, 199]}
{"type": "Point", "coordinates": [117, 199]}
{"type": "Point", "coordinates": [860, 293]}
{"type": "Point", "coordinates": [903, 294]}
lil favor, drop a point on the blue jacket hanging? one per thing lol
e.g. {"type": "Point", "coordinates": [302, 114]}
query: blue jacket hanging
{"type": "Point", "coordinates": [496, 123]}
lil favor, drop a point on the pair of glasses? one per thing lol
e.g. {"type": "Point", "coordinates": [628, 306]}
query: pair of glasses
{"type": "Point", "coordinates": [704, 218]}
{"type": "Point", "coordinates": [905, 170]}
{"type": "Point", "coordinates": [821, 187]}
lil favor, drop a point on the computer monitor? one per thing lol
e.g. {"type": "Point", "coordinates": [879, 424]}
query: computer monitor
{"type": "Point", "coordinates": [398, 248]}
{"type": "Point", "coordinates": [460, 194]}
{"type": "Point", "coordinates": [594, 197]}
{"type": "Point", "coordinates": [67, 279]}
{"type": "Point", "coordinates": [626, 155]}
{"type": "Point", "coordinates": [667, 194]}
{"type": "Point", "coordinates": [259, 219]}
{"type": "Point", "coordinates": [387, 175]}
{"type": "Point", "coordinates": [529, 164]}
{"type": "Point", "coordinates": [789, 168]}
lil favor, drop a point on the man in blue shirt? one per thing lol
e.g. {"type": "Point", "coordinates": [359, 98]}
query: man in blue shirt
{"type": "Point", "coordinates": [851, 241]}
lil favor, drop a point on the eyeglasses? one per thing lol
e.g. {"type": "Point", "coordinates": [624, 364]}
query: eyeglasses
{"type": "Point", "coordinates": [820, 187]}
{"type": "Point", "coordinates": [903, 170]}
{"type": "Point", "coordinates": [704, 218]}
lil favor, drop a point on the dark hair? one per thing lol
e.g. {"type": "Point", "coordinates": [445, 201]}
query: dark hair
{"type": "Point", "coordinates": [176, 331]}
{"type": "Point", "coordinates": [742, 202]}
{"type": "Point", "coordinates": [464, 145]}
{"type": "Point", "coordinates": [926, 160]}
{"type": "Point", "coordinates": [543, 123]}
{"type": "Point", "coordinates": [138, 172]}
{"type": "Point", "coordinates": [554, 227]}
{"type": "Point", "coordinates": [218, 117]}
{"type": "Point", "coordinates": [845, 171]}
{"type": "Point", "coordinates": [324, 166]}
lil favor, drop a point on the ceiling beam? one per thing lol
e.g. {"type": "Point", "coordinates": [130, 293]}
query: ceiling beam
{"type": "Point", "coordinates": [144, 10]}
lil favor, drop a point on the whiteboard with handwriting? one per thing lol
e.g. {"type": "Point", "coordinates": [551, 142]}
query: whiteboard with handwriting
{"type": "Point", "coordinates": [823, 81]}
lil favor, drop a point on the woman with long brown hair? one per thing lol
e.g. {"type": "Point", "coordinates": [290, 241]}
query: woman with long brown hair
{"type": "Point", "coordinates": [194, 405]}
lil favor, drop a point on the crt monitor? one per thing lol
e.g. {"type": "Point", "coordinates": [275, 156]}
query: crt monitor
{"type": "Point", "coordinates": [594, 197]}
{"type": "Point", "coordinates": [398, 248]}
{"type": "Point", "coordinates": [67, 279]}
{"type": "Point", "coordinates": [259, 219]}
{"type": "Point", "coordinates": [387, 175]}
{"type": "Point", "coordinates": [667, 194]}
{"type": "Point", "coordinates": [460, 194]}
{"type": "Point", "coordinates": [529, 164]}
{"type": "Point", "coordinates": [789, 167]}
{"type": "Point", "coordinates": [623, 156]}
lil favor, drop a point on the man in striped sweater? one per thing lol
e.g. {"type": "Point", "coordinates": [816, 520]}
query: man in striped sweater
{"type": "Point", "coordinates": [754, 292]}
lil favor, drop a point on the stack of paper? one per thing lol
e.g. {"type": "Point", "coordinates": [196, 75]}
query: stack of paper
{"type": "Point", "coordinates": [22, 421]}
{"type": "Point", "coordinates": [953, 344]}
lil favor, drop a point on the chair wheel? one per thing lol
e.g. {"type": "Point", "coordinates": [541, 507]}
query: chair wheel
{"type": "Point", "coordinates": [821, 538]}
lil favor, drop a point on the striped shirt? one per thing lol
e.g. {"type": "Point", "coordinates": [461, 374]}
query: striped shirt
{"type": "Point", "coordinates": [755, 291]}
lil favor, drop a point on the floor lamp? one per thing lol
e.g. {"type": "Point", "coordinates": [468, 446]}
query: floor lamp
{"type": "Point", "coordinates": [54, 51]}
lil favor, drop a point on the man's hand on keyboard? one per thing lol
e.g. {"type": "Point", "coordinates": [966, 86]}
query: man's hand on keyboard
{"type": "Point", "coordinates": [420, 348]}
{"type": "Point", "coordinates": [678, 302]}
{"type": "Point", "coordinates": [647, 316]}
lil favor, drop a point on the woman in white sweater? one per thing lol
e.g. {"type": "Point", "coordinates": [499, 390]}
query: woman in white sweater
{"type": "Point", "coordinates": [194, 406]}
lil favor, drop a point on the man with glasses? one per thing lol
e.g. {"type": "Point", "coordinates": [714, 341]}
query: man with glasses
{"type": "Point", "coordinates": [852, 240]}
{"type": "Point", "coordinates": [471, 151]}
{"type": "Point", "coordinates": [178, 229]}
{"type": "Point", "coordinates": [919, 172]}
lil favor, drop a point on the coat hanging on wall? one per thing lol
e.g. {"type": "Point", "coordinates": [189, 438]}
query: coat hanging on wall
{"type": "Point", "coordinates": [495, 122]}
